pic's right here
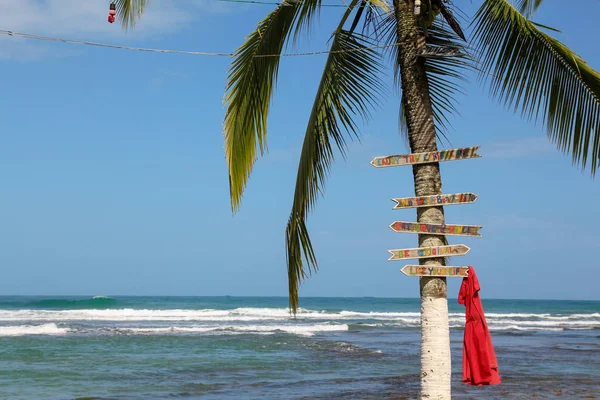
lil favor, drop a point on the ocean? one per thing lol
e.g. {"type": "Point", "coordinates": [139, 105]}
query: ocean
{"type": "Point", "coordinates": [251, 348]}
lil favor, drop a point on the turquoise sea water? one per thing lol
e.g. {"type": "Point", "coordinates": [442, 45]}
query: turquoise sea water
{"type": "Point", "coordinates": [250, 348]}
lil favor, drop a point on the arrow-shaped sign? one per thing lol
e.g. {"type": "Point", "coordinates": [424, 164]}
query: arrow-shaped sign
{"type": "Point", "coordinates": [429, 252]}
{"type": "Point", "coordinates": [436, 200]}
{"type": "Point", "coordinates": [436, 229]}
{"type": "Point", "coordinates": [424, 158]}
{"type": "Point", "coordinates": [435, 270]}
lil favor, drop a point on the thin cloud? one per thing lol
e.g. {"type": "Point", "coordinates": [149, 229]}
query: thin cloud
{"type": "Point", "coordinates": [283, 155]}
{"type": "Point", "coordinates": [518, 148]}
{"type": "Point", "coordinates": [84, 17]}
{"type": "Point", "coordinates": [166, 75]}
{"type": "Point", "coordinates": [87, 20]}
{"type": "Point", "coordinates": [559, 231]}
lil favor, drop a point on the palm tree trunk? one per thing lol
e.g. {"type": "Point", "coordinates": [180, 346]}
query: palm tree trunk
{"type": "Point", "coordinates": [435, 339]}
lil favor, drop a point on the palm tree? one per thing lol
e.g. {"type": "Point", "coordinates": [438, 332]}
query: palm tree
{"type": "Point", "coordinates": [522, 63]}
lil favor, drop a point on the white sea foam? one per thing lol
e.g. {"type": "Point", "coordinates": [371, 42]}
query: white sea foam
{"type": "Point", "coordinates": [239, 314]}
{"type": "Point", "coordinates": [53, 329]}
{"type": "Point", "coordinates": [305, 330]}
{"type": "Point", "coordinates": [522, 328]}
{"type": "Point", "coordinates": [247, 314]}
{"type": "Point", "coordinates": [378, 315]}
{"type": "Point", "coordinates": [267, 318]}
{"type": "Point", "coordinates": [542, 316]}
{"type": "Point", "coordinates": [22, 330]}
{"type": "Point", "coordinates": [562, 323]}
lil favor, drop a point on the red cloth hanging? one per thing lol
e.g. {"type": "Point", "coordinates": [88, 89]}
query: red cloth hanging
{"type": "Point", "coordinates": [112, 12]}
{"type": "Point", "coordinates": [479, 359]}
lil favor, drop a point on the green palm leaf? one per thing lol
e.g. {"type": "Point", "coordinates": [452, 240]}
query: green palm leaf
{"type": "Point", "coordinates": [444, 73]}
{"type": "Point", "coordinates": [528, 7]}
{"type": "Point", "coordinates": [379, 5]}
{"type": "Point", "coordinates": [530, 70]}
{"type": "Point", "coordinates": [252, 78]}
{"type": "Point", "coordinates": [349, 85]}
{"type": "Point", "coordinates": [130, 11]}
{"type": "Point", "coordinates": [250, 87]}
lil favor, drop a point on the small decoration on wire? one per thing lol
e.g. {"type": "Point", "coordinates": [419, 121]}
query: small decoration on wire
{"type": "Point", "coordinates": [112, 12]}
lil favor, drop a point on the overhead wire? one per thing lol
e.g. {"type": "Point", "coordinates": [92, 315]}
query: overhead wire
{"type": "Point", "coordinates": [284, 3]}
{"type": "Point", "coordinates": [201, 53]}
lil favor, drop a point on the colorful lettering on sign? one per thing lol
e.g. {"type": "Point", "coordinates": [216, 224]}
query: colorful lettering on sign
{"type": "Point", "coordinates": [420, 158]}
{"type": "Point", "coordinates": [436, 229]}
{"type": "Point", "coordinates": [430, 252]}
{"type": "Point", "coordinates": [435, 270]}
{"type": "Point", "coordinates": [442, 199]}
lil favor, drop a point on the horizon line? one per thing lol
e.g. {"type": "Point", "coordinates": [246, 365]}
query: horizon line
{"type": "Point", "coordinates": [271, 296]}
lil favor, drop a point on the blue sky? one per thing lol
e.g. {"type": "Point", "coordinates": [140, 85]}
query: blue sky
{"type": "Point", "coordinates": [113, 177]}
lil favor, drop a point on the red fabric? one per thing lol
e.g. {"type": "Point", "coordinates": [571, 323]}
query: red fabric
{"type": "Point", "coordinates": [479, 360]}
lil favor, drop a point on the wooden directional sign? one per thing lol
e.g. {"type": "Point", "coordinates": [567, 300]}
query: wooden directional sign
{"type": "Point", "coordinates": [436, 229]}
{"type": "Point", "coordinates": [424, 158]}
{"type": "Point", "coordinates": [435, 270]}
{"type": "Point", "coordinates": [437, 200]}
{"type": "Point", "coordinates": [429, 252]}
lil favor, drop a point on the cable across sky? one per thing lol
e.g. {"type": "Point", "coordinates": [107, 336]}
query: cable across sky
{"type": "Point", "coordinates": [281, 3]}
{"type": "Point", "coordinates": [197, 53]}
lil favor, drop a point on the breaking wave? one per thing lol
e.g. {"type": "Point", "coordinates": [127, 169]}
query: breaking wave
{"type": "Point", "coordinates": [53, 329]}
{"type": "Point", "coordinates": [96, 302]}
{"type": "Point", "coordinates": [248, 320]}
{"type": "Point", "coordinates": [22, 330]}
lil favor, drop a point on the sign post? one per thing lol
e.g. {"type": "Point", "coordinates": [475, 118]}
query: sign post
{"type": "Point", "coordinates": [435, 270]}
{"type": "Point", "coordinates": [436, 200]}
{"type": "Point", "coordinates": [429, 252]}
{"type": "Point", "coordinates": [425, 158]}
{"type": "Point", "coordinates": [435, 351]}
{"type": "Point", "coordinates": [436, 229]}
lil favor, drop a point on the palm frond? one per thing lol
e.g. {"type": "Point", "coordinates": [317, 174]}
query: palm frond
{"type": "Point", "coordinates": [380, 5]}
{"type": "Point", "coordinates": [358, 15]}
{"type": "Point", "coordinates": [444, 72]}
{"type": "Point", "coordinates": [530, 70]}
{"type": "Point", "coordinates": [130, 11]}
{"type": "Point", "coordinates": [249, 89]}
{"type": "Point", "coordinates": [449, 17]}
{"type": "Point", "coordinates": [349, 86]}
{"type": "Point", "coordinates": [403, 124]}
{"type": "Point", "coordinates": [528, 7]}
